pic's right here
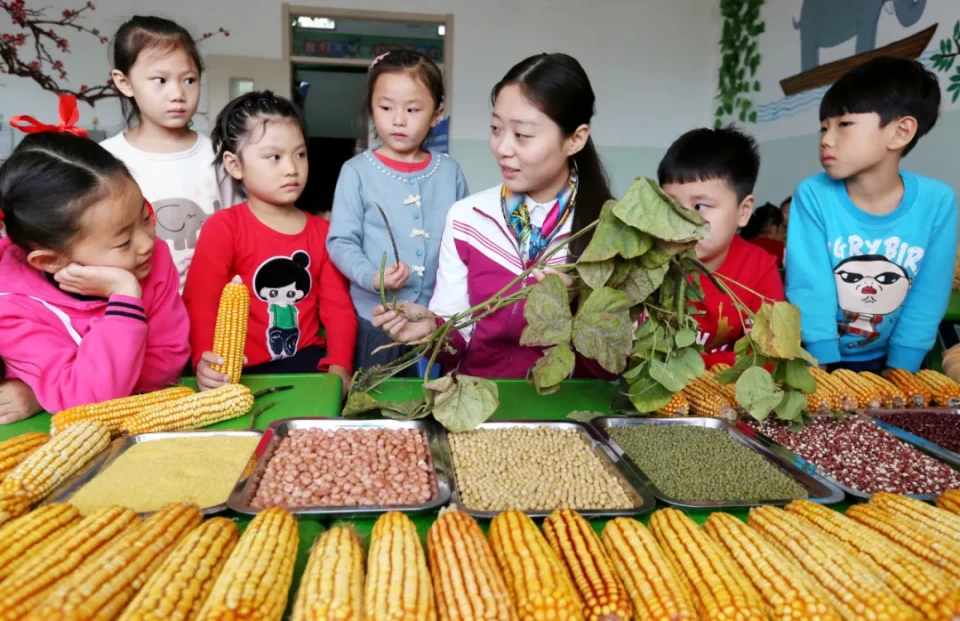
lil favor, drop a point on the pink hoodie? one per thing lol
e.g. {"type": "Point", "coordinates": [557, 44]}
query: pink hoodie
{"type": "Point", "coordinates": [73, 352]}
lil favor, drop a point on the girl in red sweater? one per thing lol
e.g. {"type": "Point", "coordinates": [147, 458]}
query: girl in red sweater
{"type": "Point", "coordinates": [277, 250]}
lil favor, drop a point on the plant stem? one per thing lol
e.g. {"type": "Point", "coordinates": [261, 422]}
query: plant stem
{"type": "Point", "coordinates": [393, 240]}
{"type": "Point", "coordinates": [383, 278]}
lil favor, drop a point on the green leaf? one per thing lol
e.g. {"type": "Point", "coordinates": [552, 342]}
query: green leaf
{"type": "Point", "coordinates": [601, 329]}
{"type": "Point", "coordinates": [642, 282]}
{"type": "Point", "coordinates": [655, 257]}
{"type": "Point", "coordinates": [621, 270]}
{"type": "Point", "coordinates": [553, 367]}
{"type": "Point", "coordinates": [437, 387]}
{"type": "Point", "coordinates": [685, 338]}
{"type": "Point", "coordinates": [595, 274]}
{"type": "Point", "coordinates": [776, 330]}
{"type": "Point", "coordinates": [645, 207]}
{"type": "Point", "coordinates": [753, 116]}
{"type": "Point", "coordinates": [464, 405]}
{"type": "Point", "coordinates": [678, 370]}
{"type": "Point", "coordinates": [584, 417]}
{"type": "Point", "coordinates": [612, 239]}
{"type": "Point", "coordinates": [804, 355]}
{"type": "Point", "coordinates": [634, 371]}
{"type": "Point", "coordinates": [757, 393]}
{"type": "Point", "coordinates": [646, 346]}
{"type": "Point", "coordinates": [742, 345]}
{"type": "Point", "coordinates": [731, 375]}
{"type": "Point", "coordinates": [405, 410]}
{"type": "Point", "coordinates": [547, 311]}
{"type": "Point", "coordinates": [648, 395]}
{"type": "Point", "coordinates": [359, 403]}
{"type": "Point", "coordinates": [791, 406]}
{"type": "Point", "coordinates": [798, 376]}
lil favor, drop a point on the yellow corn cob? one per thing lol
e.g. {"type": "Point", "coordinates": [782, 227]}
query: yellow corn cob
{"type": "Point", "coordinates": [579, 549]}
{"type": "Point", "coordinates": [178, 588]}
{"type": "Point", "coordinates": [654, 589]}
{"type": "Point", "coordinates": [950, 501]}
{"type": "Point", "coordinates": [49, 465]}
{"type": "Point", "coordinates": [230, 333]}
{"type": "Point", "coordinates": [466, 579]}
{"type": "Point", "coordinates": [720, 591]}
{"type": "Point", "coordinates": [398, 583]}
{"type": "Point", "coordinates": [12, 507]}
{"type": "Point", "coordinates": [28, 535]}
{"type": "Point", "coordinates": [707, 401]}
{"type": "Point", "coordinates": [256, 579]}
{"type": "Point", "coordinates": [916, 538]}
{"type": "Point", "coordinates": [193, 412]}
{"type": "Point", "coordinates": [938, 520]}
{"type": "Point", "coordinates": [787, 590]}
{"type": "Point", "coordinates": [113, 413]}
{"type": "Point", "coordinates": [841, 398]}
{"type": "Point", "coordinates": [27, 586]}
{"type": "Point", "coordinates": [17, 448]}
{"type": "Point", "coordinates": [852, 588]}
{"type": "Point", "coordinates": [719, 367]}
{"type": "Point", "coordinates": [332, 585]}
{"type": "Point", "coordinates": [891, 397]}
{"type": "Point", "coordinates": [678, 406]}
{"type": "Point", "coordinates": [539, 585]}
{"type": "Point", "coordinates": [99, 591]}
{"type": "Point", "coordinates": [917, 393]}
{"type": "Point", "coordinates": [729, 391]}
{"type": "Point", "coordinates": [862, 391]}
{"type": "Point", "coordinates": [818, 403]}
{"type": "Point", "coordinates": [946, 392]}
{"type": "Point", "coordinates": [915, 581]}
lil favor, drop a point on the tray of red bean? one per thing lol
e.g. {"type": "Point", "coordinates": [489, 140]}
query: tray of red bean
{"type": "Point", "coordinates": [862, 456]}
{"type": "Point", "coordinates": [941, 427]}
{"type": "Point", "coordinates": [333, 466]}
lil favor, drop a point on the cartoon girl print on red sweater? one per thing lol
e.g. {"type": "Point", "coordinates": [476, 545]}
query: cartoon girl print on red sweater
{"type": "Point", "coordinates": [868, 288]}
{"type": "Point", "coordinates": [281, 282]}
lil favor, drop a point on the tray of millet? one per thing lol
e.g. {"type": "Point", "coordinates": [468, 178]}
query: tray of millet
{"type": "Point", "coordinates": [706, 463]}
{"type": "Point", "coordinates": [938, 426]}
{"type": "Point", "coordinates": [317, 466]}
{"type": "Point", "coordinates": [538, 467]}
{"type": "Point", "coordinates": [862, 457]}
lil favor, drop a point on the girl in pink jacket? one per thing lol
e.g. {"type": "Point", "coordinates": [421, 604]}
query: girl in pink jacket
{"type": "Point", "coordinates": [89, 308]}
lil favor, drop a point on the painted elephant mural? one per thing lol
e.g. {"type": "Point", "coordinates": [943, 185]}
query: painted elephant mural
{"type": "Point", "coordinates": [179, 221]}
{"type": "Point", "coordinates": [828, 23]}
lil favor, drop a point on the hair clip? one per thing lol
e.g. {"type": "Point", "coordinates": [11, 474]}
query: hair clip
{"type": "Point", "coordinates": [378, 59]}
{"type": "Point", "coordinates": [69, 115]}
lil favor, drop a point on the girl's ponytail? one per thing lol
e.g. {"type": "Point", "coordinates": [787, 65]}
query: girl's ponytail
{"type": "Point", "coordinates": [593, 192]}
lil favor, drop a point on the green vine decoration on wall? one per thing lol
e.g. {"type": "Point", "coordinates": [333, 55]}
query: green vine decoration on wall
{"type": "Point", "coordinates": [740, 54]}
{"type": "Point", "coordinates": [945, 58]}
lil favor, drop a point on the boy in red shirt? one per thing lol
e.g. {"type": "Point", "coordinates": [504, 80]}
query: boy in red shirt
{"type": "Point", "coordinates": [713, 171]}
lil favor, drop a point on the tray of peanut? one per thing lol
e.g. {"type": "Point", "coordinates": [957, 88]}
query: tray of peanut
{"type": "Point", "coordinates": [347, 468]}
{"type": "Point", "coordinates": [538, 467]}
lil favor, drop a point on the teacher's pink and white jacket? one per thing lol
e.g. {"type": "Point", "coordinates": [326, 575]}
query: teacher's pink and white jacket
{"type": "Point", "coordinates": [479, 255]}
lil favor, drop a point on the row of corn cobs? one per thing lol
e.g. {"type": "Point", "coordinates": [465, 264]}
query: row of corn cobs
{"type": "Point", "coordinates": [840, 391]}
{"type": "Point", "coordinates": [894, 558]}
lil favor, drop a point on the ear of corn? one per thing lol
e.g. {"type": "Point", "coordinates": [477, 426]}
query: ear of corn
{"type": "Point", "coordinates": [332, 585]}
{"type": "Point", "coordinates": [938, 520]}
{"type": "Point", "coordinates": [918, 394]}
{"type": "Point", "coordinates": [99, 591]}
{"type": "Point", "coordinates": [84, 543]}
{"type": "Point", "coordinates": [787, 591]}
{"type": "Point", "coordinates": [539, 585]}
{"type": "Point", "coordinates": [678, 406]}
{"type": "Point", "coordinates": [917, 538]}
{"type": "Point", "coordinates": [706, 400]}
{"type": "Point", "coordinates": [466, 579]}
{"type": "Point", "coordinates": [841, 397]}
{"type": "Point", "coordinates": [49, 465]}
{"type": "Point", "coordinates": [861, 390]}
{"type": "Point", "coordinates": [720, 591]}
{"type": "Point", "coordinates": [256, 578]}
{"type": "Point", "coordinates": [113, 413]}
{"type": "Point", "coordinates": [179, 587]}
{"type": "Point", "coordinates": [581, 552]}
{"type": "Point", "coordinates": [653, 587]}
{"type": "Point", "coordinates": [28, 535]}
{"type": "Point", "coordinates": [17, 448]}
{"type": "Point", "coordinates": [230, 333]}
{"type": "Point", "coordinates": [852, 588]}
{"type": "Point", "coordinates": [193, 412]}
{"type": "Point", "coordinates": [398, 583]}
{"type": "Point", "coordinates": [891, 397]}
{"type": "Point", "coordinates": [915, 581]}
{"type": "Point", "coordinates": [946, 392]}
{"type": "Point", "coordinates": [729, 391]}
{"type": "Point", "coordinates": [950, 501]}
{"type": "Point", "coordinates": [12, 507]}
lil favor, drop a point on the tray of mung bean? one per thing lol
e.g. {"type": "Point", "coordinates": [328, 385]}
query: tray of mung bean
{"type": "Point", "coordinates": [706, 463]}
{"type": "Point", "coordinates": [334, 466]}
{"type": "Point", "coordinates": [538, 467]}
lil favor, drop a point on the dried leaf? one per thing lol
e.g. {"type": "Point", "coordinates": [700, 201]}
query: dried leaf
{"type": "Point", "coordinates": [595, 274]}
{"type": "Point", "coordinates": [602, 329]}
{"type": "Point", "coordinates": [791, 406]}
{"type": "Point", "coordinates": [584, 417]}
{"type": "Point", "coordinates": [362, 405]}
{"type": "Point", "coordinates": [547, 311]}
{"type": "Point", "coordinates": [641, 282]}
{"type": "Point", "coordinates": [359, 403]}
{"type": "Point", "coordinates": [647, 208]}
{"type": "Point", "coordinates": [553, 367]}
{"type": "Point", "coordinates": [776, 330]}
{"type": "Point", "coordinates": [757, 392]}
{"type": "Point", "coordinates": [463, 403]}
{"type": "Point", "coordinates": [611, 238]}
{"type": "Point", "coordinates": [405, 410]}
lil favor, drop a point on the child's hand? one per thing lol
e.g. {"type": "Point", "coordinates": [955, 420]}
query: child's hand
{"type": "Point", "coordinates": [395, 277]}
{"type": "Point", "coordinates": [336, 369]}
{"type": "Point", "coordinates": [207, 378]}
{"type": "Point", "coordinates": [17, 402]}
{"type": "Point", "coordinates": [541, 274]}
{"type": "Point", "coordinates": [400, 328]}
{"type": "Point", "coordinates": [100, 282]}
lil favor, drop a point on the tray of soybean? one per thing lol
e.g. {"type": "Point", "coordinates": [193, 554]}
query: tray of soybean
{"type": "Point", "coordinates": [707, 463]}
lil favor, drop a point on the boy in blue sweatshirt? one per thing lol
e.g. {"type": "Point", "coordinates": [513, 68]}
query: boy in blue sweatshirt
{"type": "Point", "coordinates": [870, 247]}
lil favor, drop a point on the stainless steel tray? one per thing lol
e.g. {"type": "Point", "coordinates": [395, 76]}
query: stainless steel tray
{"type": "Point", "coordinates": [69, 487]}
{"type": "Point", "coordinates": [242, 496]}
{"type": "Point", "coordinates": [924, 446]}
{"type": "Point", "coordinates": [818, 488]}
{"type": "Point", "coordinates": [635, 488]}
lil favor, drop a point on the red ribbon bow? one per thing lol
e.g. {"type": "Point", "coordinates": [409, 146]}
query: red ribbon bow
{"type": "Point", "coordinates": [69, 115]}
